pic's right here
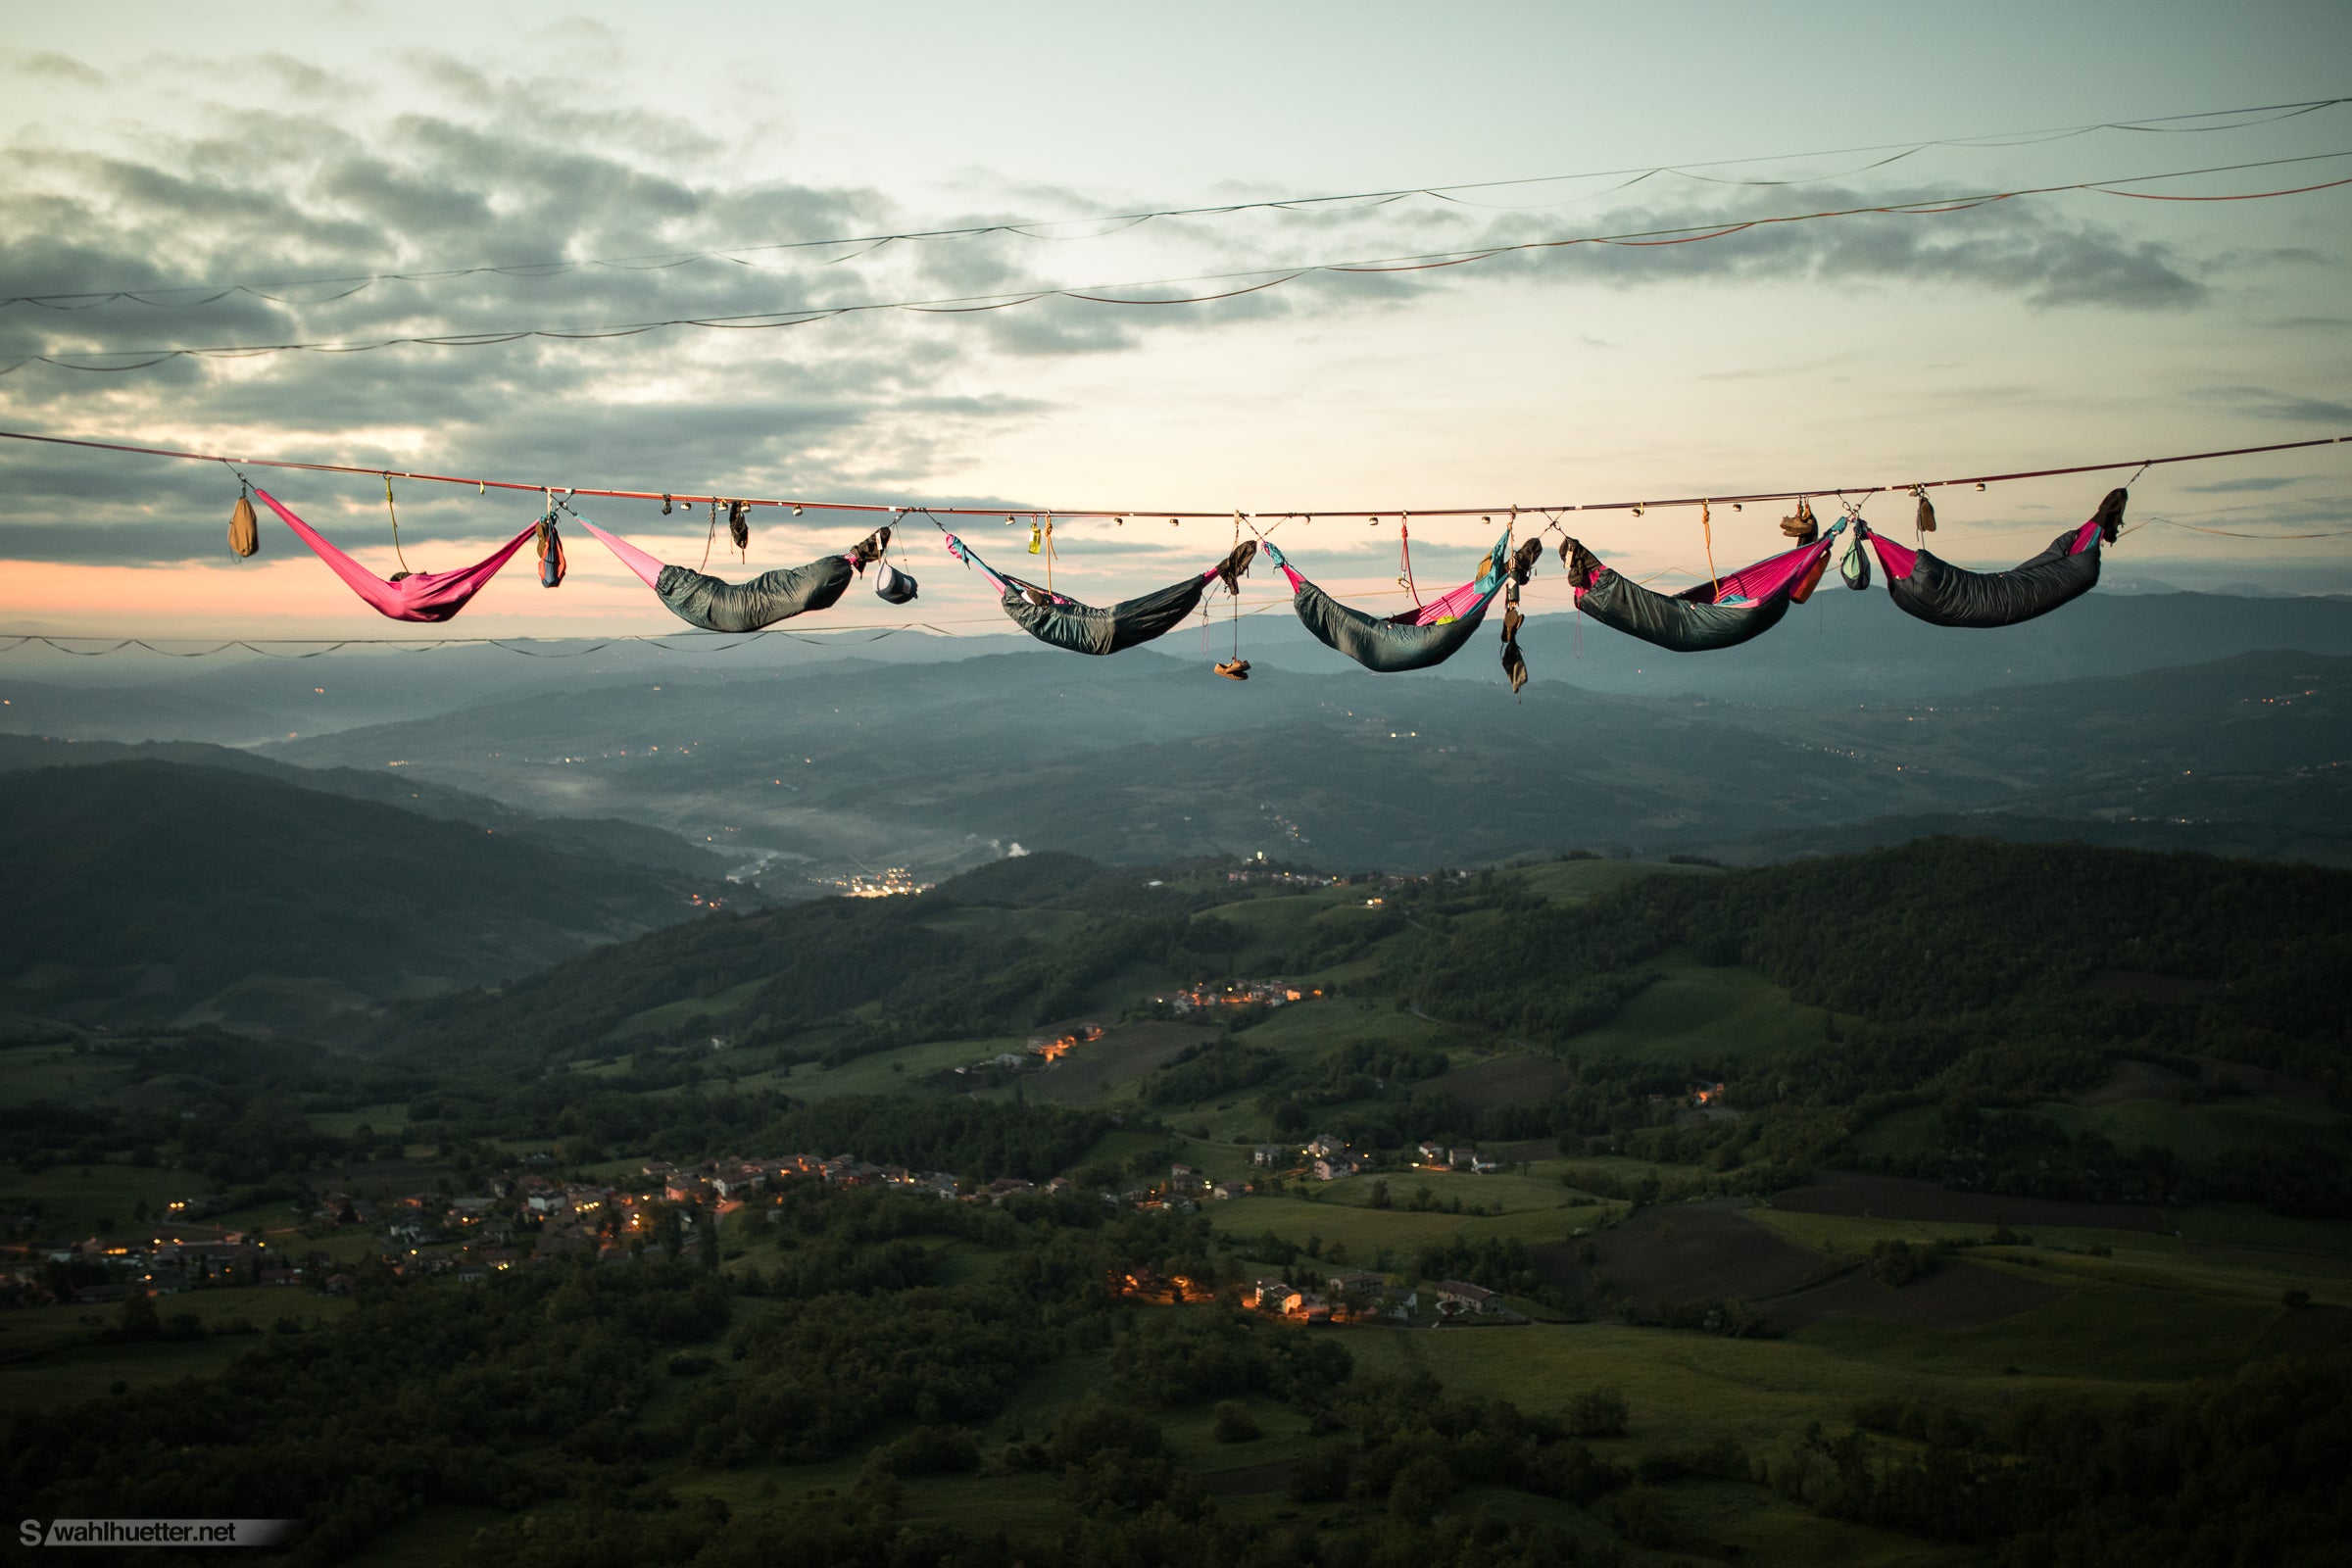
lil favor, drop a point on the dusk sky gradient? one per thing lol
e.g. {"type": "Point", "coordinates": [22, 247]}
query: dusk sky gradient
{"type": "Point", "coordinates": [149, 145]}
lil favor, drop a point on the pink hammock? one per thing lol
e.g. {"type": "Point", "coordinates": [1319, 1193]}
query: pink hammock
{"type": "Point", "coordinates": [417, 596]}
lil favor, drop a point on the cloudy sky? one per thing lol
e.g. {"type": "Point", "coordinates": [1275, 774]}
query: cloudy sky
{"type": "Point", "coordinates": [157, 148]}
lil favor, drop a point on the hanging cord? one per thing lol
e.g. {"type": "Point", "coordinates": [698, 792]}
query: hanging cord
{"type": "Point", "coordinates": [709, 539]}
{"type": "Point", "coordinates": [1237, 589]}
{"type": "Point", "coordinates": [1707, 534]}
{"type": "Point", "coordinates": [1049, 552]}
{"type": "Point", "coordinates": [391, 512]}
{"type": "Point", "coordinates": [1404, 557]}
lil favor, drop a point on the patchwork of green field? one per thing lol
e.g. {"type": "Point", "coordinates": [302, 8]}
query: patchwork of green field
{"type": "Point", "coordinates": [1127, 986]}
{"type": "Point", "coordinates": [1274, 925]}
{"type": "Point", "coordinates": [1043, 926]}
{"type": "Point", "coordinates": [2215, 1130]}
{"type": "Point", "coordinates": [1113, 1068]}
{"type": "Point", "coordinates": [1318, 1022]}
{"type": "Point", "coordinates": [389, 1117]}
{"type": "Point", "coordinates": [1704, 1014]}
{"type": "Point", "coordinates": [1503, 1193]}
{"type": "Point", "coordinates": [1754, 1523]}
{"type": "Point", "coordinates": [1275, 928]}
{"type": "Point", "coordinates": [58, 1071]}
{"type": "Point", "coordinates": [54, 1357]}
{"type": "Point", "coordinates": [669, 1015]}
{"type": "Point", "coordinates": [2244, 1225]}
{"type": "Point", "coordinates": [2251, 1261]}
{"type": "Point", "coordinates": [99, 1199]}
{"type": "Point", "coordinates": [905, 1070]}
{"type": "Point", "coordinates": [1574, 881]}
{"type": "Point", "coordinates": [2113, 1333]}
{"type": "Point", "coordinates": [1368, 1234]}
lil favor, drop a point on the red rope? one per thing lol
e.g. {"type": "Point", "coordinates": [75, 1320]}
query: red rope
{"type": "Point", "coordinates": [1068, 513]}
{"type": "Point", "coordinates": [2246, 196]}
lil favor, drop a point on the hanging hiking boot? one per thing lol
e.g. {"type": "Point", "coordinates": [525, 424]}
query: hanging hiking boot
{"type": "Point", "coordinates": [1581, 563]}
{"type": "Point", "coordinates": [1230, 569]}
{"type": "Point", "coordinates": [2110, 516]}
{"type": "Point", "coordinates": [1803, 527]}
{"type": "Point", "coordinates": [1235, 670]}
{"type": "Point", "coordinates": [1524, 559]}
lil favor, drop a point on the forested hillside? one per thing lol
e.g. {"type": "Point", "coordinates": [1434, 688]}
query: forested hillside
{"type": "Point", "coordinates": [1979, 977]}
{"type": "Point", "coordinates": [147, 890]}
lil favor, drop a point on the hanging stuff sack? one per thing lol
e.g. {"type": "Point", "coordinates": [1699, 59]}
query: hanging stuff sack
{"type": "Point", "coordinates": [739, 524]}
{"type": "Point", "coordinates": [551, 554]}
{"type": "Point", "coordinates": [244, 532]}
{"type": "Point", "coordinates": [1854, 565]}
{"type": "Point", "coordinates": [893, 586]}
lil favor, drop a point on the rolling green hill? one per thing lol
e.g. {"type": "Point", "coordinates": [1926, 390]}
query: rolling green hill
{"type": "Point", "coordinates": [634, 843]}
{"type": "Point", "coordinates": [152, 890]}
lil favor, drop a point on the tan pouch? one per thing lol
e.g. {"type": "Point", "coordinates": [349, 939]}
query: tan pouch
{"type": "Point", "coordinates": [244, 532]}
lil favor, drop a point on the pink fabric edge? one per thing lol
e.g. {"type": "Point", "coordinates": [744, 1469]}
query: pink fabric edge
{"type": "Point", "coordinates": [1766, 577]}
{"type": "Point", "coordinates": [1899, 559]}
{"type": "Point", "coordinates": [1769, 575]}
{"type": "Point", "coordinates": [646, 566]}
{"type": "Point", "coordinates": [422, 596]}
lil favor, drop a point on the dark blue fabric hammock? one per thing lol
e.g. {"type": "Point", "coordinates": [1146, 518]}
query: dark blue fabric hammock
{"type": "Point", "coordinates": [1933, 589]}
{"type": "Point", "coordinates": [1720, 614]}
{"type": "Point", "coordinates": [1417, 639]}
{"type": "Point", "coordinates": [1064, 622]}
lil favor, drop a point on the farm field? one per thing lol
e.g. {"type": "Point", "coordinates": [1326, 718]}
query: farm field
{"type": "Point", "coordinates": [1705, 1016]}
{"type": "Point", "coordinates": [1111, 1067]}
{"type": "Point", "coordinates": [53, 1356]}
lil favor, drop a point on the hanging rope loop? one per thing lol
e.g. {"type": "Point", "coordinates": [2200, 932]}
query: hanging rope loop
{"type": "Point", "coordinates": [1707, 534]}
{"type": "Point", "coordinates": [393, 513]}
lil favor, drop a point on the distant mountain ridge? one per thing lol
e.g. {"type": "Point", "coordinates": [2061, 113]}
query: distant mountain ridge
{"type": "Point", "coordinates": [631, 842]}
{"type": "Point", "coordinates": [1146, 758]}
{"type": "Point", "coordinates": [1840, 647]}
{"type": "Point", "coordinates": [152, 890]}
